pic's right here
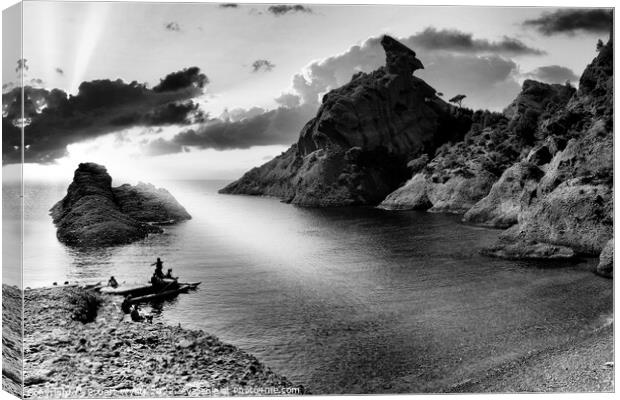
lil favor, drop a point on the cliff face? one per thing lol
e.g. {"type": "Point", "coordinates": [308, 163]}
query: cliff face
{"type": "Point", "coordinates": [571, 202]}
{"type": "Point", "coordinates": [95, 214]}
{"type": "Point", "coordinates": [356, 149]}
{"type": "Point", "coordinates": [462, 174]}
{"type": "Point", "coordinates": [544, 169]}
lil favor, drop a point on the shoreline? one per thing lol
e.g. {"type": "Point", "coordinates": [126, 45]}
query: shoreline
{"type": "Point", "coordinates": [115, 357]}
{"type": "Point", "coordinates": [584, 364]}
{"type": "Point", "coordinates": [110, 357]}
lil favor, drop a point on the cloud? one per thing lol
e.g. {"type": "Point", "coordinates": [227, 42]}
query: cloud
{"type": "Point", "coordinates": [186, 78]}
{"type": "Point", "coordinates": [279, 126]}
{"type": "Point", "coordinates": [288, 100]}
{"type": "Point", "coordinates": [60, 71]}
{"type": "Point", "coordinates": [569, 21]}
{"type": "Point", "coordinates": [283, 9]}
{"type": "Point", "coordinates": [173, 27]}
{"type": "Point", "coordinates": [264, 65]}
{"type": "Point", "coordinates": [55, 120]}
{"type": "Point", "coordinates": [228, 5]}
{"type": "Point", "coordinates": [455, 40]}
{"type": "Point", "coordinates": [160, 147]}
{"type": "Point", "coordinates": [454, 62]}
{"type": "Point", "coordinates": [553, 74]}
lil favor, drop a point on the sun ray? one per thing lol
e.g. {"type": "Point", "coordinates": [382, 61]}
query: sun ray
{"type": "Point", "coordinates": [92, 28]}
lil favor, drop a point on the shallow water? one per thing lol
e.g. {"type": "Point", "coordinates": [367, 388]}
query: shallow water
{"type": "Point", "coordinates": [346, 300]}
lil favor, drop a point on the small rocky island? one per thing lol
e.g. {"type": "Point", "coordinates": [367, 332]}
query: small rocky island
{"type": "Point", "coordinates": [542, 168]}
{"type": "Point", "coordinates": [93, 213]}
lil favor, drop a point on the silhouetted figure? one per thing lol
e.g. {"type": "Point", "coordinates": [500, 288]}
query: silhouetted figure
{"type": "Point", "coordinates": [112, 282]}
{"type": "Point", "coordinates": [169, 274]}
{"type": "Point", "coordinates": [135, 314]}
{"type": "Point", "coordinates": [126, 304]}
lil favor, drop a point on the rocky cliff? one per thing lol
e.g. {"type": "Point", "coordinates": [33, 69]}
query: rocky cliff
{"type": "Point", "coordinates": [569, 200]}
{"type": "Point", "coordinates": [462, 174]}
{"type": "Point", "coordinates": [93, 213]}
{"type": "Point", "coordinates": [356, 150]}
{"type": "Point", "coordinates": [543, 169]}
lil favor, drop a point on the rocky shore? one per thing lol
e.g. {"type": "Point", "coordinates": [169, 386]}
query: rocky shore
{"type": "Point", "coordinates": [111, 356]}
{"type": "Point", "coordinates": [582, 365]}
{"type": "Point", "coordinates": [12, 360]}
{"type": "Point", "coordinates": [93, 213]}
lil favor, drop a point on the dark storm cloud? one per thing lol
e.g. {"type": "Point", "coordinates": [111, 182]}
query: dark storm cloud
{"type": "Point", "coordinates": [454, 61]}
{"type": "Point", "coordinates": [283, 9]}
{"type": "Point", "coordinates": [572, 20]}
{"type": "Point", "coordinates": [60, 71]}
{"type": "Point", "coordinates": [260, 128]}
{"type": "Point", "coordinates": [228, 5]}
{"type": "Point", "coordinates": [101, 106]}
{"type": "Point", "coordinates": [187, 78]}
{"type": "Point", "coordinates": [553, 74]}
{"type": "Point", "coordinates": [455, 40]}
{"type": "Point", "coordinates": [172, 26]}
{"type": "Point", "coordinates": [262, 65]}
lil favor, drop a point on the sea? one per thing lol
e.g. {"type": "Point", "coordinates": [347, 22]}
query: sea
{"type": "Point", "coordinates": [341, 300]}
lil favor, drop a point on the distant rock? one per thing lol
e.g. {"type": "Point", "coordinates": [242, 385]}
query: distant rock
{"type": "Point", "coordinates": [95, 214]}
{"type": "Point", "coordinates": [356, 150]}
{"type": "Point", "coordinates": [606, 260]}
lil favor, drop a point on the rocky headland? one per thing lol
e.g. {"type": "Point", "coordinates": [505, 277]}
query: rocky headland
{"type": "Point", "coordinates": [542, 169]}
{"type": "Point", "coordinates": [355, 151]}
{"type": "Point", "coordinates": [93, 213]}
{"type": "Point", "coordinates": [79, 344]}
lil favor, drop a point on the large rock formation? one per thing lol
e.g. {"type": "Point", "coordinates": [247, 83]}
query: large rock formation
{"type": "Point", "coordinates": [462, 174]}
{"type": "Point", "coordinates": [356, 149]}
{"type": "Point", "coordinates": [95, 214]}
{"type": "Point", "coordinates": [571, 203]}
{"type": "Point", "coordinates": [544, 168]}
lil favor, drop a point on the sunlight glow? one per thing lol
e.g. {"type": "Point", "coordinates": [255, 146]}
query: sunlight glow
{"type": "Point", "coordinates": [92, 28]}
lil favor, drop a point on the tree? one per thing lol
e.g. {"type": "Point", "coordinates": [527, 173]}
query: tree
{"type": "Point", "coordinates": [457, 99]}
{"type": "Point", "coordinates": [599, 45]}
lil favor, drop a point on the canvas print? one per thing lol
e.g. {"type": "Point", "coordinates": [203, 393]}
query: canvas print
{"type": "Point", "coordinates": [216, 199]}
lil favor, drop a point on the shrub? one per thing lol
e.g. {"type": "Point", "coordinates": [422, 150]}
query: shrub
{"type": "Point", "coordinates": [85, 305]}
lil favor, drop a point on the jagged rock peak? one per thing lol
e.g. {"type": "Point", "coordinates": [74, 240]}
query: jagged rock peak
{"type": "Point", "coordinates": [399, 59]}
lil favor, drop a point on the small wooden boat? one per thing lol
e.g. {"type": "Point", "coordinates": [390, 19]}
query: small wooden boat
{"type": "Point", "coordinates": [160, 295]}
{"type": "Point", "coordinates": [144, 290]}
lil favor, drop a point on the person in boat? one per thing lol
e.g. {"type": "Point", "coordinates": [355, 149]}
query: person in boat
{"type": "Point", "coordinates": [169, 275]}
{"type": "Point", "coordinates": [159, 268]}
{"type": "Point", "coordinates": [112, 282]}
{"type": "Point", "coordinates": [126, 304]}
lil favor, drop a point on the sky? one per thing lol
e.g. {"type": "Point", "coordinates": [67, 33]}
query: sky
{"type": "Point", "coordinates": [260, 73]}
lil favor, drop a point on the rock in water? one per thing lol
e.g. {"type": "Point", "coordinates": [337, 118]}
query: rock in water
{"type": "Point", "coordinates": [95, 214]}
{"type": "Point", "coordinates": [355, 151]}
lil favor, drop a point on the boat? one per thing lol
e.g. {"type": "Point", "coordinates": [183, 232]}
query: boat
{"type": "Point", "coordinates": [143, 290]}
{"type": "Point", "coordinates": [160, 295]}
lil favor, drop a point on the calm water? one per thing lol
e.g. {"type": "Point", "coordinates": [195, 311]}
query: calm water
{"type": "Point", "coordinates": [344, 300]}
